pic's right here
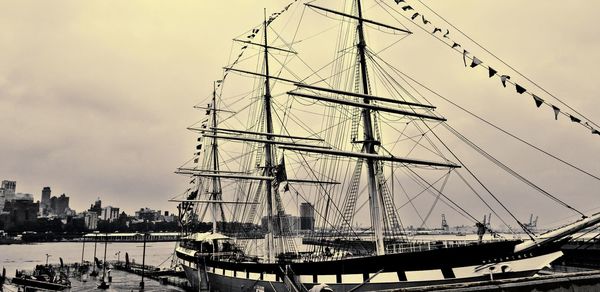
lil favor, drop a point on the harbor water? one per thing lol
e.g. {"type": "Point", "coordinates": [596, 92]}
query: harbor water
{"type": "Point", "coordinates": [27, 256]}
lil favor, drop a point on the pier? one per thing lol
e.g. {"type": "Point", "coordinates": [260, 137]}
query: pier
{"type": "Point", "coordinates": [132, 237]}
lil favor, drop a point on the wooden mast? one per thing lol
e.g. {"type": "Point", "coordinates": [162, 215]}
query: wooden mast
{"type": "Point", "coordinates": [216, 189]}
{"type": "Point", "coordinates": [270, 244]}
{"type": "Point", "coordinates": [369, 143]}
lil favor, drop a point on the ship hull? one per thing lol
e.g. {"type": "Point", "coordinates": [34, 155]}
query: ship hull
{"type": "Point", "coordinates": [431, 267]}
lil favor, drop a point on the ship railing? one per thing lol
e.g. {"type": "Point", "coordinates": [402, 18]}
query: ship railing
{"type": "Point", "coordinates": [418, 246]}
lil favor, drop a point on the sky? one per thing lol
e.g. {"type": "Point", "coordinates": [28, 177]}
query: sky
{"type": "Point", "coordinates": [95, 95]}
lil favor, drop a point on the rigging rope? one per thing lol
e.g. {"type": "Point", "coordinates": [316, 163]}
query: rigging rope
{"type": "Point", "coordinates": [509, 66]}
{"type": "Point", "coordinates": [506, 132]}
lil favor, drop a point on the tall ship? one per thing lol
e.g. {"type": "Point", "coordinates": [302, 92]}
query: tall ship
{"type": "Point", "coordinates": [328, 123]}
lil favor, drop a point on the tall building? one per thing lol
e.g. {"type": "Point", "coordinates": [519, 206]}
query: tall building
{"type": "Point", "coordinates": [91, 220]}
{"type": "Point", "coordinates": [96, 207]}
{"type": "Point", "coordinates": [45, 202]}
{"type": "Point", "coordinates": [2, 199]}
{"type": "Point", "coordinates": [9, 188]}
{"type": "Point", "coordinates": [109, 213]}
{"type": "Point", "coordinates": [307, 216]}
{"type": "Point", "coordinates": [19, 212]}
{"type": "Point", "coordinates": [59, 205]}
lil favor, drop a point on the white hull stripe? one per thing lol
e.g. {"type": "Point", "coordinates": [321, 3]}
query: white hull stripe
{"type": "Point", "coordinates": [518, 265]}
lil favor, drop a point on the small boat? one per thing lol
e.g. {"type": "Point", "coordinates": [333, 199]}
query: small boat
{"type": "Point", "coordinates": [43, 277]}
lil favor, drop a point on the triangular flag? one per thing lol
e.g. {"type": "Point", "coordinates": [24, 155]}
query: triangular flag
{"type": "Point", "coordinates": [398, 1]}
{"type": "Point", "coordinates": [192, 181]}
{"type": "Point", "coordinates": [195, 160]}
{"type": "Point", "coordinates": [475, 62]}
{"type": "Point", "coordinates": [574, 119]}
{"type": "Point", "coordinates": [492, 71]}
{"type": "Point", "coordinates": [251, 36]}
{"type": "Point", "coordinates": [594, 131]}
{"type": "Point", "coordinates": [520, 89]}
{"type": "Point", "coordinates": [447, 33]}
{"type": "Point", "coordinates": [244, 47]}
{"type": "Point", "coordinates": [208, 112]}
{"type": "Point", "coordinates": [436, 30]}
{"type": "Point", "coordinates": [503, 78]}
{"type": "Point", "coordinates": [415, 15]}
{"type": "Point", "coordinates": [254, 31]}
{"type": "Point", "coordinates": [286, 187]}
{"type": "Point", "coordinates": [407, 7]}
{"type": "Point", "coordinates": [556, 112]}
{"type": "Point", "coordinates": [425, 21]}
{"type": "Point", "coordinates": [199, 147]}
{"type": "Point", "coordinates": [538, 101]}
{"type": "Point", "coordinates": [455, 45]}
{"type": "Point", "coordinates": [465, 53]}
{"type": "Point", "coordinates": [199, 139]}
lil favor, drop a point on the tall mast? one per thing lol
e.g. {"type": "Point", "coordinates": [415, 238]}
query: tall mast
{"type": "Point", "coordinates": [369, 141]}
{"type": "Point", "coordinates": [216, 189]}
{"type": "Point", "coordinates": [268, 151]}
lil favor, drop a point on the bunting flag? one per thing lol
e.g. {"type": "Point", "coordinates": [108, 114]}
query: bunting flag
{"type": "Point", "coordinates": [465, 53]}
{"type": "Point", "coordinates": [199, 139]}
{"type": "Point", "coordinates": [538, 101]}
{"type": "Point", "coordinates": [491, 71]}
{"type": "Point", "coordinates": [208, 112]}
{"type": "Point", "coordinates": [199, 147]}
{"type": "Point", "coordinates": [251, 36]}
{"type": "Point", "coordinates": [574, 119]}
{"type": "Point", "coordinates": [475, 62]}
{"type": "Point", "coordinates": [503, 79]}
{"type": "Point", "coordinates": [193, 181]}
{"type": "Point", "coordinates": [556, 112]}
{"type": "Point", "coordinates": [286, 188]}
{"type": "Point", "coordinates": [195, 160]}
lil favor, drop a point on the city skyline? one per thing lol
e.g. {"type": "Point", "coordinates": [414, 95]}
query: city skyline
{"type": "Point", "coordinates": [95, 102]}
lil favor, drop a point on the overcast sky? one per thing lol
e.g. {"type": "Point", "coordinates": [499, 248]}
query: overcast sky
{"type": "Point", "coordinates": [95, 96]}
